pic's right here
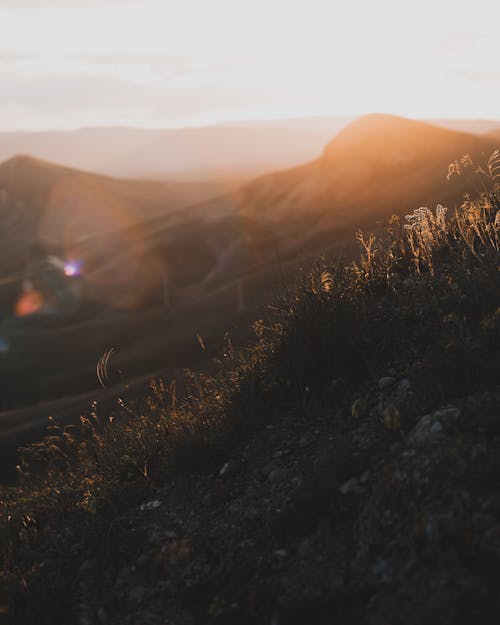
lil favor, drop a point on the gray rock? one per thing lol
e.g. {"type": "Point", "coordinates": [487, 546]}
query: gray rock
{"type": "Point", "coordinates": [365, 477]}
{"type": "Point", "coordinates": [102, 616]}
{"type": "Point", "coordinates": [386, 382]}
{"type": "Point", "coordinates": [124, 575]}
{"type": "Point", "coordinates": [277, 475]}
{"type": "Point", "coordinates": [137, 594]}
{"type": "Point", "coordinates": [150, 505]}
{"type": "Point", "coordinates": [87, 566]}
{"type": "Point", "coordinates": [427, 430]}
{"type": "Point", "coordinates": [404, 386]}
{"type": "Point", "coordinates": [351, 486]}
{"type": "Point", "coordinates": [280, 553]}
{"type": "Point", "coordinates": [436, 427]}
{"type": "Point", "coordinates": [228, 469]}
{"type": "Point", "coordinates": [447, 415]}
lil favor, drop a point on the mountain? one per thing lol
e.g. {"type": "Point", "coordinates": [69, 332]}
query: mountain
{"type": "Point", "coordinates": [41, 202]}
{"type": "Point", "coordinates": [84, 148]}
{"type": "Point", "coordinates": [155, 274]}
{"type": "Point", "coordinates": [225, 150]}
{"type": "Point", "coordinates": [474, 126]}
{"type": "Point", "coordinates": [375, 166]}
{"type": "Point", "coordinates": [342, 467]}
{"type": "Point", "coordinates": [494, 135]}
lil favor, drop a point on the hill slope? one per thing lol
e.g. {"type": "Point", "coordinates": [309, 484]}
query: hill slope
{"type": "Point", "coordinates": [149, 286]}
{"type": "Point", "coordinates": [376, 165]}
{"type": "Point", "coordinates": [41, 202]}
{"type": "Point", "coordinates": [345, 466]}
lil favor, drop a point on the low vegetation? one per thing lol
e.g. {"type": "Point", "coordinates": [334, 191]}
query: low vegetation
{"type": "Point", "coordinates": [425, 291]}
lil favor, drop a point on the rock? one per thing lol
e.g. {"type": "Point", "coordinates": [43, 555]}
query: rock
{"type": "Point", "coordinates": [277, 475]}
{"type": "Point", "coordinates": [280, 553]}
{"type": "Point", "coordinates": [386, 382]}
{"type": "Point", "coordinates": [365, 477]}
{"type": "Point", "coordinates": [436, 427]}
{"type": "Point", "coordinates": [144, 559]}
{"type": "Point", "coordinates": [427, 430]}
{"type": "Point", "coordinates": [228, 469]}
{"type": "Point", "coordinates": [137, 594]}
{"type": "Point", "coordinates": [404, 386]}
{"type": "Point", "coordinates": [351, 486]}
{"type": "Point", "coordinates": [87, 566]}
{"type": "Point", "coordinates": [151, 505]}
{"type": "Point", "coordinates": [306, 439]}
{"type": "Point", "coordinates": [124, 575]}
{"type": "Point", "coordinates": [102, 616]}
{"type": "Point", "coordinates": [447, 415]}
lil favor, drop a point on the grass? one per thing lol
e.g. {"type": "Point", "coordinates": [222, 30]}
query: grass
{"type": "Point", "coordinates": [424, 291]}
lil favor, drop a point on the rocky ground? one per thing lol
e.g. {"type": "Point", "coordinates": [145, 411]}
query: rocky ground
{"type": "Point", "coordinates": [387, 512]}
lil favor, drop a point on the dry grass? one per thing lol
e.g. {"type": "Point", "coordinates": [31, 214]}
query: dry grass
{"type": "Point", "coordinates": [423, 291]}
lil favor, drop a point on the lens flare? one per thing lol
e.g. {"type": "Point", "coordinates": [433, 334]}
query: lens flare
{"type": "Point", "coordinates": [29, 303]}
{"type": "Point", "coordinates": [72, 268]}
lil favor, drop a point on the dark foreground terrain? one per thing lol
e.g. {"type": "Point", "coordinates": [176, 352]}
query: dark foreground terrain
{"type": "Point", "coordinates": [344, 468]}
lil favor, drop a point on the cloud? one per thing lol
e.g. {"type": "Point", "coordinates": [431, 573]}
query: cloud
{"type": "Point", "coordinates": [479, 75]}
{"type": "Point", "coordinates": [114, 100]}
{"type": "Point", "coordinates": [66, 4]}
{"type": "Point", "coordinates": [456, 41]}
{"type": "Point", "coordinates": [150, 65]}
{"type": "Point", "coordinates": [64, 93]}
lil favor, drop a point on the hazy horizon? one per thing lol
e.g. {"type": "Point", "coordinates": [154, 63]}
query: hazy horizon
{"type": "Point", "coordinates": [247, 123]}
{"type": "Point", "coordinates": [74, 64]}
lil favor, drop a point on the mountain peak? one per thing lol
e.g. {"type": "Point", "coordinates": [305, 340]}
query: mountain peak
{"type": "Point", "coordinates": [378, 133]}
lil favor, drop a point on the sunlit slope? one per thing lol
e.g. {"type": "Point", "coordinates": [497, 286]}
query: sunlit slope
{"type": "Point", "coordinates": [154, 275]}
{"type": "Point", "coordinates": [494, 135]}
{"type": "Point", "coordinates": [377, 165]}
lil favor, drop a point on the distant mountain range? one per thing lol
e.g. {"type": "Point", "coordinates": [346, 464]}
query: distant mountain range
{"type": "Point", "coordinates": [159, 262]}
{"type": "Point", "coordinates": [206, 152]}
{"type": "Point", "coordinates": [241, 149]}
{"type": "Point", "coordinates": [376, 165]}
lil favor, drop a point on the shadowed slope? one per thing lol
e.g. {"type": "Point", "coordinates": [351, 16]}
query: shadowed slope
{"type": "Point", "coordinates": [56, 205]}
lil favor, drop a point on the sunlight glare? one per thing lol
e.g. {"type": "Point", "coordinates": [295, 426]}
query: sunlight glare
{"type": "Point", "coordinates": [72, 268]}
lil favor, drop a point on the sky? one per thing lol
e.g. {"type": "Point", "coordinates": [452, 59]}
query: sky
{"type": "Point", "coordinates": [171, 63]}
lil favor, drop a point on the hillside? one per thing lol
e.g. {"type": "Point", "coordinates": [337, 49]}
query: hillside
{"type": "Point", "coordinates": [42, 202]}
{"type": "Point", "coordinates": [149, 286]}
{"type": "Point", "coordinates": [51, 215]}
{"type": "Point", "coordinates": [376, 165]}
{"type": "Point", "coordinates": [343, 466]}
{"type": "Point", "coordinates": [494, 134]}
{"type": "Point", "coordinates": [243, 149]}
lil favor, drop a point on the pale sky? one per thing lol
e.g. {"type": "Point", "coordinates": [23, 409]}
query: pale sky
{"type": "Point", "coordinates": [71, 63]}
